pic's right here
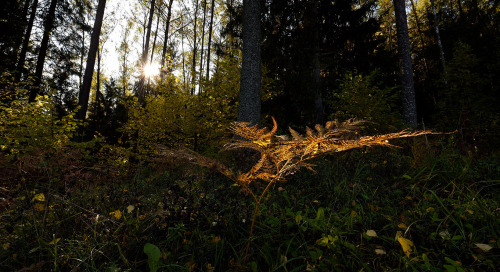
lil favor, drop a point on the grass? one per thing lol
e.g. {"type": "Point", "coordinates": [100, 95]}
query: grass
{"type": "Point", "coordinates": [98, 215]}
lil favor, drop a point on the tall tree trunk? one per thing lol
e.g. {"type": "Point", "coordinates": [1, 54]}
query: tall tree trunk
{"type": "Point", "coordinates": [318, 101]}
{"type": "Point", "coordinates": [184, 83]}
{"type": "Point", "coordinates": [83, 98]}
{"type": "Point", "coordinates": [249, 100]}
{"type": "Point", "coordinates": [438, 37]}
{"type": "Point", "coordinates": [165, 41]}
{"type": "Point", "coordinates": [406, 67]}
{"type": "Point", "coordinates": [144, 58]}
{"type": "Point", "coordinates": [153, 48]}
{"type": "Point", "coordinates": [193, 67]}
{"type": "Point", "coordinates": [26, 41]}
{"type": "Point", "coordinates": [98, 78]}
{"type": "Point", "coordinates": [202, 40]}
{"type": "Point", "coordinates": [154, 40]}
{"type": "Point", "coordinates": [210, 38]}
{"type": "Point", "coordinates": [82, 56]}
{"type": "Point", "coordinates": [49, 23]}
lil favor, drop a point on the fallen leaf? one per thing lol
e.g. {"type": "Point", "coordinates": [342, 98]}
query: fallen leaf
{"type": "Point", "coordinates": [130, 208]}
{"type": "Point", "coordinates": [371, 233]}
{"type": "Point", "coordinates": [116, 214]}
{"type": "Point", "coordinates": [398, 234]}
{"type": "Point", "coordinates": [484, 247]}
{"type": "Point", "coordinates": [407, 245]}
{"type": "Point", "coordinates": [402, 226]}
{"type": "Point", "coordinates": [380, 251]}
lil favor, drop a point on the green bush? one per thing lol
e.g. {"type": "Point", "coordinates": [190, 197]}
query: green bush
{"type": "Point", "coordinates": [29, 127]}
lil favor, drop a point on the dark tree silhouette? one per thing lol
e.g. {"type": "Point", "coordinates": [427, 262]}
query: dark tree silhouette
{"type": "Point", "coordinates": [83, 99]}
{"type": "Point", "coordinates": [249, 101]}
{"type": "Point", "coordinates": [405, 64]}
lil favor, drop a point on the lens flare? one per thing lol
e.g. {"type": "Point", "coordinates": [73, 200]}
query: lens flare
{"type": "Point", "coordinates": [151, 70]}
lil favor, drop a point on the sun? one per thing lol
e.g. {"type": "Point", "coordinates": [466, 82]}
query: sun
{"type": "Point", "coordinates": [151, 70]}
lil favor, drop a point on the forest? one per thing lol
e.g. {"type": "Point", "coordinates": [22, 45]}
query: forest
{"type": "Point", "coordinates": [249, 135]}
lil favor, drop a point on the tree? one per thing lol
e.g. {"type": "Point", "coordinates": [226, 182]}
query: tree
{"type": "Point", "coordinates": [144, 58]}
{"type": "Point", "coordinates": [210, 37]}
{"type": "Point", "coordinates": [438, 36]}
{"type": "Point", "coordinates": [12, 25]}
{"type": "Point", "coordinates": [165, 40]}
{"type": "Point", "coordinates": [27, 35]}
{"type": "Point", "coordinates": [249, 101]}
{"type": "Point", "coordinates": [48, 25]}
{"type": "Point", "coordinates": [83, 98]}
{"type": "Point", "coordinates": [405, 64]}
{"type": "Point", "coordinates": [318, 102]}
{"type": "Point", "coordinates": [195, 48]}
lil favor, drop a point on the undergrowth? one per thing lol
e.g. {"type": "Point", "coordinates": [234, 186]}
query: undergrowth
{"type": "Point", "coordinates": [71, 210]}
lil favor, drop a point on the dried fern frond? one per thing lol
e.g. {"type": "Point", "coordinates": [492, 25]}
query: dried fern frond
{"type": "Point", "coordinates": [283, 155]}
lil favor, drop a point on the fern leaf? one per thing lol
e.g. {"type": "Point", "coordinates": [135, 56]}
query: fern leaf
{"type": "Point", "coordinates": [296, 136]}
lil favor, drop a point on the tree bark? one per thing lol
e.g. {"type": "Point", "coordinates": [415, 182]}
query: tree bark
{"type": "Point", "coordinates": [144, 59]}
{"type": "Point", "coordinates": [249, 100]}
{"type": "Point", "coordinates": [202, 40]}
{"type": "Point", "coordinates": [26, 41]}
{"type": "Point", "coordinates": [154, 40]}
{"type": "Point", "coordinates": [210, 38]}
{"type": "Point", "coordinates": [83, 98]}
{"type": "Point", "coordinates": [165, 40]}
{"type": "Point", "coordinates": [193, 67]}
{"type": "Point", "coordinates": [405, 63]}
{"type": "Point", "coordinates": [49, 23]}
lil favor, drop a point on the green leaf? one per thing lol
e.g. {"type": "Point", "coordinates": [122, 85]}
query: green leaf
{"type": "Point", "coordinates": [406, 177]}
{"type": "Point", "coordinates": [320, 215]}
{"type": "Point", "coordinates": [153, 253]}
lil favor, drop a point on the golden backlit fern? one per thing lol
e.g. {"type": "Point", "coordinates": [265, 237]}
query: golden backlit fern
{"type": "Point", "coordinates": [282, 155]}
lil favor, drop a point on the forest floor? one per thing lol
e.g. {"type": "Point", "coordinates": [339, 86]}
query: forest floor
{"type": "Point", "coordinates": [419, 208]}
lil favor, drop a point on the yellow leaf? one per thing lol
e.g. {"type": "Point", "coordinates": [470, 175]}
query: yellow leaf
{"type": "Point", "coordinates": [407, 245]}
{"type": "Point", "coordinates": [116, 214]}
{"type": "Point", "coordinates": [371, 233]}
{"type": "Point", "coordinates": [484, 247]}
{"type": "Point", "coordinates": [402, 226]}
{"type": "Point", "coordinates": [39, 197]}
{"type": "Point", "coordinates": [398, 234]}
{"type": "Point", "coordinates": [54, 241]}
{"type": "Point", "coordinates": [380, 251]}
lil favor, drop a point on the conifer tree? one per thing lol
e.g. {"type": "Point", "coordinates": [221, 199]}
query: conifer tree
{"type": "Point", "coordinates": [405, 63]}
{"type": "Point", "coordinates": [83, 98]}
{"type": "Point", "coordinates": [48, 25]}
